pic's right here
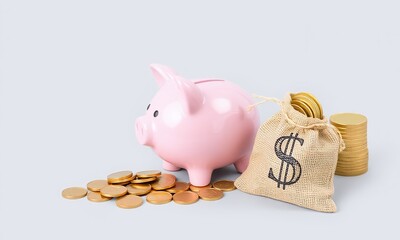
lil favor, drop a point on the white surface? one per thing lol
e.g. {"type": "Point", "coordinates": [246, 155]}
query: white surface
{"type": "Point", "coordinates": [74, 76]}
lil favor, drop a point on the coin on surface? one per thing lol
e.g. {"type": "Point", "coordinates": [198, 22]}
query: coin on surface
{"type": "Point", "coordinates": [224, 185]}
{"type": "Point", "coordinates": [74, 193]}
{"type": "Point", "coordinates": [144, 180]}
{"type": "Point", "coordinates": [164, 181]}
{"type": "Point", "coordinates": [147, 174]}
{"type": "Point", "coordinates": [119, 177]}
{"type": "Point", "coordinates": [210, 194]}
{"type": "Point", "coordinates": [113, 191]}
{"type": "Point", "coordinates": [129, 201]}
{"type": "Point", "coordinates": [121, 183]}
{"type": "Point", "coordinates": [96, 197]}
{"type": "Point", "coordinates": [185, 197]}
{"type": "Point", "coordinates": [159, 197]}
{"type": "Point", "coordinates": [139, 189]}
{"type": "Point", "coordinates": [179, 187]}
{"type": "Point", "coordinates": [197, 189]}
{"type": "Point", "coordinates": [96, 185]}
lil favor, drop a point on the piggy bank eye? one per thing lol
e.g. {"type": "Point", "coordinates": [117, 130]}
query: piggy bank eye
{"type": "Point", "coordinates": [148, 107]}
{"type": "Point", "coordinates": [155, 114]}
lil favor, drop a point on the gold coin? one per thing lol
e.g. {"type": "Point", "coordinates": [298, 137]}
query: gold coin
{"type": "Point", "coordinates": [186, 197]}
{"type": "Point", "coordinates": [119, 177]}
{"type": "Point", "coordinates": [139, 189]}
{"type": "Point", "coordinates": [353, 153]}
{"type": "Point", "coordinates": [74, 193]}
{"type": "Point", "coordinates": [96, 185]}
{"type": "Point", "coordinates": [299, 109]}
{"type": "Point", "coordinates": [144, 180]}
{"type": "Point", "coordinates": [304, 106]}
{"type": "Point", "coordinates": [179, 187]}
{"type": "Point", "coordinates": [129, 201]}
{"type": "Point", "coordinates": [113, 191]}
{"type": "Point", "coordinates": [96, 197]}
{"type": "Point", "coordinates": [317, 102]}
{"type": "Point", "coordinates": [149, 173]}
{"type": "Point", "coordinates": [164, 181]}
{"type": "Point", "coordinates": [159, 197]}
{"type": "Point", "coordinates": [310, 102]}
{"type": "Point", "coordinates": [210, 194]}
{"type": "Point", "coordinates": [348, 119]}
{"type": "Point", "coordinates": [351, 173]}
{"type": "Point", "coordinates": [224, 185]}
{"type": "Point", "coordinates": [197, 189]}
{"type": "Point", "coordinates": [121, 183]}
{"type": "Point", "coordinates": [352, 168]}
{"type": "Point", "coordinates": [359, 148]}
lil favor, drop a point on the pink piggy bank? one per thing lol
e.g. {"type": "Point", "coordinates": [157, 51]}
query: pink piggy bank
{"type": "Point", "coordinates": [198, 125]}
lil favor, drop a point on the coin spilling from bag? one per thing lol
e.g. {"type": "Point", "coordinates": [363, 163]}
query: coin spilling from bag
{"type": "Point", "coordinates": [294, 155]}
{"type": "Point", "coordinates": [307, 104]}
{"type": "Point", "coordinates": [353, 160]}
{"type": "Point", "coordinates": [129, 189]}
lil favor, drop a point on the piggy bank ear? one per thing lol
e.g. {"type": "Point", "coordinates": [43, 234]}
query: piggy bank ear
{"type": "Point", "coordinates": [190, 94]}
{"type": "Point", "coordinates": [162, 74]}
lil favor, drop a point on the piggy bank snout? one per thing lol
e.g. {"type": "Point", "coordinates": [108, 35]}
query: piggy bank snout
{"type": "Point", "coordinates": [142, 131]}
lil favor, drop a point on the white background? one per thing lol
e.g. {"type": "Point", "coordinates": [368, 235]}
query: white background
{"type": "Point", "coordinates": [75, 75]}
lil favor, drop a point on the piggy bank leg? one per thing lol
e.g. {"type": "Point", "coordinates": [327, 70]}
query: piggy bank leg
{"type": "Point", "coordinates": [242, 163]}
{"type": "Point", "coordinates": [199, 177]}
{"type": "Point", "coordinates": [169, 167]}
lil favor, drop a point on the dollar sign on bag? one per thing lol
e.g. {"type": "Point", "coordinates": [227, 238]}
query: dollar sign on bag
{"type": "Point", "coordinates": [288, 159]}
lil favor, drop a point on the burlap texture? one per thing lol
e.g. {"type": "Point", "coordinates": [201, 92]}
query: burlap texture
{"type": "Point", "coordinates": [317, 157]}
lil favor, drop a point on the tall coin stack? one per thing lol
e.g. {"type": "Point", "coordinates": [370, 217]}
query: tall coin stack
{"type": "Point", "coordinates": [353, 160]}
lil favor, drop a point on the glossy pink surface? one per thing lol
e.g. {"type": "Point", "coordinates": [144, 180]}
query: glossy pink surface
{"type": "Point", "coordinates": [198, 125]}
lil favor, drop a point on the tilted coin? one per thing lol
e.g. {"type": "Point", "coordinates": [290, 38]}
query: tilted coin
{"type": "Point", "coordinates": [121, 183]}
{"type": "Point", "coordinates": [310, 102]}
{"type": "Point", "coordinates": [96, 197]}
{"type": "Point", "coordinates": [147, 174]}
{"type": "Point", "coordinates": [224, 185]}
{"type": "Point", "coordinates": [139, 189]}
{"type": "Point", "coordinates": [74, 193]}
{"type": "Point", "coordinates": [129, 201]}
{"type": "Point", "coordinates": [96, 185]}
{"type": "Point", "coordinates": [118, 177]}
{"type": "Point", "coordinates": [317, 102]}
{"type": "Point", "coordinates": [348, 119]}
{"type": "Point", "coordinates": [299, 109]}
{"type": "Point", "coordinates": [185, 197]}
{"type": "Point", "coordinates": [159, 197]}
{"type": "Point", "coordinates": [197, 189]}
{"type": "Point", "coordinates": [113, 191]}
{"type": "Point", "coordinates": [164, 181]}
{"type": "Point", "coordinates": [210, 194]}
{"type": "Point", "coordinates": [144, 180]}
{"type": "Point", "coordinates": [179, 187]}
{"type": "Point", "coordinates": [305, 107]}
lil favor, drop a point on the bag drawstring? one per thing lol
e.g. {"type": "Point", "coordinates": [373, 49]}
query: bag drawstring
{"type": "Point", "coordinates": [342, 145]}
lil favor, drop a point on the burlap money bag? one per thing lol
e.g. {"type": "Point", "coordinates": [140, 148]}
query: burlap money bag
{"type": "Point", "coordinates": [294, 160]}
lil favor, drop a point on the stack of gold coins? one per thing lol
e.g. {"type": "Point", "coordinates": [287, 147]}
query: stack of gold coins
{"type": "Point", "coordinates": [353, 160]}
{"type": "Point", "coordinates": [129, 189]}
{"type": "Point", "coordinates": [307, 104]}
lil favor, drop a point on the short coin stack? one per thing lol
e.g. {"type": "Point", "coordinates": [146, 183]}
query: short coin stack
{"type": "Point", "coordinates": [307, 104]}
{"type": "Point", "coordinates": [353, 160]}
{"type": "Point", "coordinates": [158, 188]}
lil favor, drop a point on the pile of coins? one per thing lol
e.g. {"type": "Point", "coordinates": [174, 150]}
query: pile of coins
{"type": "Point", "coordinates": [158, 188]}
{"type": "Point", "coordinates": [353, 160]}
{"type": "Point", "coordinates": [307, 104]}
